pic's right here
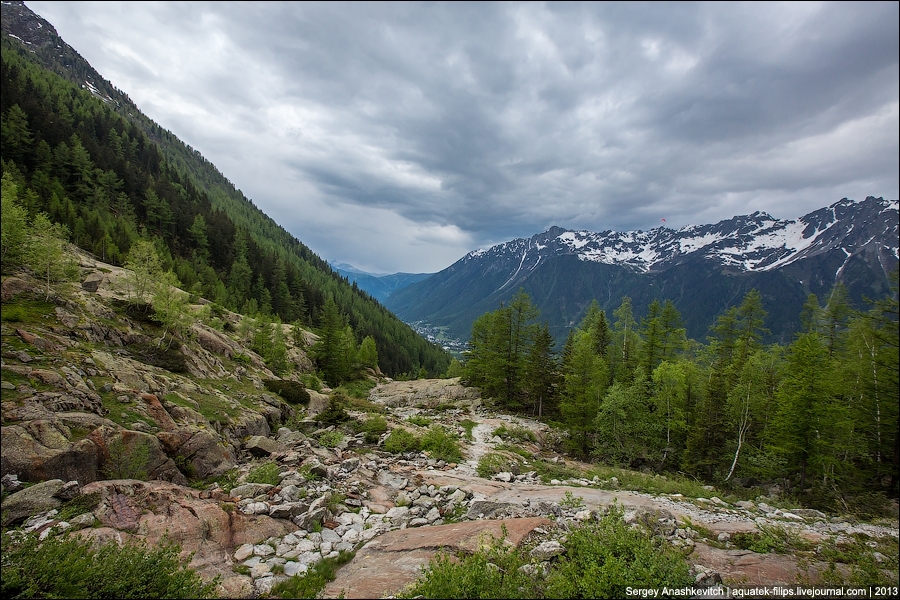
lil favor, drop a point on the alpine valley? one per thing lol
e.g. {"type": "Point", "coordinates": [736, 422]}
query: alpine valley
{"type": "Point", "coordinates": [703, 269]}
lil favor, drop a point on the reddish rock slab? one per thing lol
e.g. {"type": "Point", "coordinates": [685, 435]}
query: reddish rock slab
{"type": "Point", "coordinates": [389, 562]}
{"type": "Point", "coordinates": [747, 568]}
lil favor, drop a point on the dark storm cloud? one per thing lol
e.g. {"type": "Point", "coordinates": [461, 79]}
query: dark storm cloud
{"type": "Point", "coordinates": [397, 136]}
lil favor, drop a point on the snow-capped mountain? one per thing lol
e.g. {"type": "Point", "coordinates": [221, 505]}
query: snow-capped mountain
{"type": "Point", "coordinates": [852, 242]}
{"type": "Point", "coordinates": [756, 242]}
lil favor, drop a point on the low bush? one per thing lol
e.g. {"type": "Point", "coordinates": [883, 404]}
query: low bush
{"type": "Point", "coordinates": [69, 567]}
{"type": "Point", "coordinates": [419, 420]}
{"type": "Point", "coordinates": [336, 411]}
{"type": "Point", "coordinates": [330, 439]}
{"type": "Point", "coordinates": [311, 583]}
{"type": "Point", "coordinates": [603, 558]}
{"type": "Point", "coordinates": [515, 433]}
{"type": "Point", "coordinates": [401, 441]}
{"type": "Point", "coordinates": [269, 473]}
{"type": "Point", "coordinates": [441, 444]}
{"type": "Point", "coordinates": [291, 391]}
{"type": "Point", "coordinates": [373, 427]}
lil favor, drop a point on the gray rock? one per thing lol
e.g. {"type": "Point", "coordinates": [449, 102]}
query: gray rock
{"type": "Point", "coordinates": [389, 479]}
{"type": "Point", "coordinates": [250, 490]}
{"type": "Point", "coordinates": [82, 521]}
{"type": "Point", "coordinates": [259, 445]}
{"type": "Point", "coordinates": [68, 491]}
{"type": "Point", "coordinates": [547, 550]}
{"type": "Point", "coordinates": [30, 501]}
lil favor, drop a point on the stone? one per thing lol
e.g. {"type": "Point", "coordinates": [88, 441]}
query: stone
{"type": "Point", "coordinates": [244, 552]}
{"type": "Point", "coordinates": [250, 490]}
{"type": "Point", "coordinates": [390, 561]}
{"type": "Point", "coordinates": [262, 446]}
{"type": "Point", "coordinates": [547, 550]}
{"type": "Point", "coordinates": [33, 500]}
{"type": "Point", "coordinates": [68, 491]}
{"type": "Point", "coordinates": [82, 521]}
{"type": "Point", "coordinates": [386, 478]}
{"type": "Point", "coordinates": [292, 568]}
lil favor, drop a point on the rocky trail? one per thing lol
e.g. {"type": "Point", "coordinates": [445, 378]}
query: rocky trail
{"type": "Point", "coordinates": [83, 392]}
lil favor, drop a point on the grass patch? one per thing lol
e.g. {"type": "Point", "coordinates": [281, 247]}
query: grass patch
{"type": "Point", "coordinates": [515, 450]}
{"type": "Point", "coordinates": [358, 388]}
{"type": "Point", "coordinates": [468, 425]}
{"type": "Point", "coordinates": [269, 473]}
{"type": "Point", "coordinates": [313, 581]}
{"type": "Point", "coordinates": [27, 311]}
{"type": "Point", "coordinates": [515, 434]}
{"type": "Point", "coordinates": [419, 420]}
{"type": "Point", "coordinates": [651, 484]}
{"type": "Point", "coordinates": [547, 471]}
{"type": "Point", "coordinates": [774, 538]}
{"type": "Point", "coordinates": [494, 462]}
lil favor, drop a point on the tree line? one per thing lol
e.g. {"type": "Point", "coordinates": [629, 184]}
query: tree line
{"type": "Point", "coordinates": [819, 415]}
{"type": "Point", "coordinates": [112, 180]}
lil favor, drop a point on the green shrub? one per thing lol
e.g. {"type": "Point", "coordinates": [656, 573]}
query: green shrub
{"type": "Point", "coordinates": [401, 441]}
{"type": "Point", "coordinates": [373, 428]}
{"type": "Point", "coordinates": [441, 444]}
{"type": "Point", "coordinates": [291, 391]}
{"type": "Point", "coordinates": [418, 420]}
{"type": "Point", "coordinates": [336, 411]}
{"type": "Point", "coordinates": [492, 572]}
{"type": "Point", "coordinates": [311, 583]}
{"type": "Point", "coordinates": [515, 433]}
{"type": "Point", "coordinates": [330, 439]}
{"type": "Point", "coordinates": [68, 567]}
{"type": "Point", "coordinates": [492, 463]}
{"type": "Point", "coordinates": [269, 473]}
{"type": "Point", "coordinates": [605, 557]}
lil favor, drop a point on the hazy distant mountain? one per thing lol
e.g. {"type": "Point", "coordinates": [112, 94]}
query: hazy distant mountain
{"type": "Point", "coordinates": [379, 286]}
{"type": "Point", "coordinates": [703, 269]}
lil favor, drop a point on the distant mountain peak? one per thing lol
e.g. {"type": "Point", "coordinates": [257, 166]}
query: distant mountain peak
{"type": "Point", "coordinates": [754, 242]}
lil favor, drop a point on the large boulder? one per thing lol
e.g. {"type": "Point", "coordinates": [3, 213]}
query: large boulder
{"type": "Point", "coordinates": [198, 450]}
{"type": "Point", "coordinates": [263, 446]}
{"type": "Point", "coordinates": [134, 455]}
{"type": "Point", "coordinates": [40, 449]}
{"type": "Point", "coordinates": [153, 511]}
{"type": "Point", "coordinates": [38, 498]}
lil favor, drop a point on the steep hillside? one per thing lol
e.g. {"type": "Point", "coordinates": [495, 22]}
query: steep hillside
{"type": "Point", "coordinates": [79, 150]}
{"type": "Point", "coordinates": [703, 269]}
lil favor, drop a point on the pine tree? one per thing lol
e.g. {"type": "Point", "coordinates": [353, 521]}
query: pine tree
{"type": "Point", "coordinates": [541, 373]}
{"type": "Point", "coordinates": [14, 224]}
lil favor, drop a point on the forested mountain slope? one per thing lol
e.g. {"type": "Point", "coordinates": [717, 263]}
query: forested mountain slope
{"type": "Point", "coordinates": [81, 151]}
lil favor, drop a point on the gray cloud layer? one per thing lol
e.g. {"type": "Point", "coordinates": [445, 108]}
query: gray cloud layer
{"type": "Point", "coordinates": [400, 136]}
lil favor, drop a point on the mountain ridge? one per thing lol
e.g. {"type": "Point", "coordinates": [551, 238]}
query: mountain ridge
{"type": "Point", "coordinates": [563, 270]}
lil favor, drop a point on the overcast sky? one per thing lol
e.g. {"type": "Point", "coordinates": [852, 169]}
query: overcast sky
{"type": "Point", "coordinates": [398, 137]}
